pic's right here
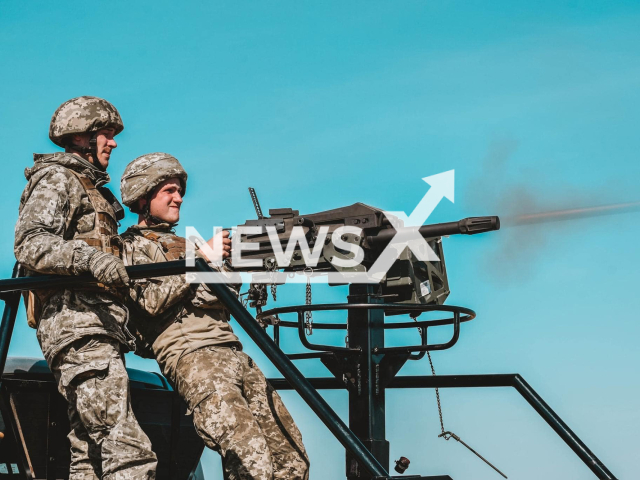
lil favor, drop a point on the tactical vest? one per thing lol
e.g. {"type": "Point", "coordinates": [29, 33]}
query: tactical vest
{"type": "Point", "coordinates": [103, 237]}
{"type": "Point", "coordinates": [146, 330]}
{"type": "Point", "coordinates": [173, 246]}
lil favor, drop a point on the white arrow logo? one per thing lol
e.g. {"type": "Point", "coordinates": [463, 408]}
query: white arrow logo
{"type": "Point", "coordinates": [408, 236]}
{"type": "Point", "coordinates": [442, 185]}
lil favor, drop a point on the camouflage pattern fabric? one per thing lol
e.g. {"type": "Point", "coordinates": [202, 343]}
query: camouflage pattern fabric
{"type": "Point", "coordinates": [81, 115]}
{"type": "Point", "coordinates": [106, 440]}
{"type": "Point", "coordinates": [145, 173]}
{"type": "Point", "coordinates": [235, 410]}
{"type": "Point", "coordinates": [54, 210]}
{"type": "Point", "coordinates": [237, 413]}
{"type": "Point", "coordinates": [171, 316]}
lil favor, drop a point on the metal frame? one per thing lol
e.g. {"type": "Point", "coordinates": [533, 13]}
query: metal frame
{"type": "Point", "coordinates": [460, 315]}
{"type": "Point", "coordinates": [366, 412]}
{"type": "Point", "coordinates": [513, 380]}
{"type": "Point", "coordinates": [369, 323]}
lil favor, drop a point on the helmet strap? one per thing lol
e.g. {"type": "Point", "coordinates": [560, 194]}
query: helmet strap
{"type": "Point", "coordinates": [93, 147]}
{"type": "Point", "coordinates": [92, 150]}
{"type": "Point", "coordinates": [152, 220]}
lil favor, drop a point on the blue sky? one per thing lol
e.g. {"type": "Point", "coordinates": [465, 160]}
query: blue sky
{"type": "Point", "coordinates": [320, 105]}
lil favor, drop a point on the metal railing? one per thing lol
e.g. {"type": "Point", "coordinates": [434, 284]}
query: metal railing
{"type": "Point", "coordinates": [293, 379]}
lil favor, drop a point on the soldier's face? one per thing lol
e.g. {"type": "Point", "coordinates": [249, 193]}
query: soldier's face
{"type": "Point", "coordinates": [105, 143]}
{"type": "Point", "coordinates": [166, 201]}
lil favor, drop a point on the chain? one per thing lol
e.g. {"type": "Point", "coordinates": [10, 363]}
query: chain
{"type": "Point", "coordinates": [346, 337]}
{"type": "Point", "coordinates": [271, 268]}
{"type": "Point", "coordinates": [433, 371]}
{"type": "Point", "coordinates": [308, 317]}
{"type": "Point", "coordinates": [447, 435]}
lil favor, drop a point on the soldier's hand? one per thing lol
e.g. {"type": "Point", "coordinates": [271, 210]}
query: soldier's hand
{"type": "Point", "coordinates": [108, 269]}
{"type": "Point", "coordinates": [218, 254]}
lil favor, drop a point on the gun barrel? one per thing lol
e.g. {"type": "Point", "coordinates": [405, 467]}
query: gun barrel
{"type": "Point", "coordinates": [466, 226]}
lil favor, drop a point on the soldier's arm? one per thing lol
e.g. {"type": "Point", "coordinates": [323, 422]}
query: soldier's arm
{"type": "Point", "coordinates": [205, 298]}
{"type": "Point", "coordinates": [156, 295]}
{"type": "Point", "coordinates": [40, 243]}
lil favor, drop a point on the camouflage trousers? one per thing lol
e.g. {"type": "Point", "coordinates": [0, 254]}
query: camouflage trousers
{"type": "Point", "coordinates": [237, 413]}
{"type": "Point", "coordinates": [106, 439]}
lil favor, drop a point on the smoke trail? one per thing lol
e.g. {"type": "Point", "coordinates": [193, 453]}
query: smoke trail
{"type": "Point", "coordinates": [536, 219]}
{"type": "Point", "coordinates": [570, 214]}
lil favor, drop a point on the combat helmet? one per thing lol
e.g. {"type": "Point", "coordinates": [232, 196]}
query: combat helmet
{"type": "Point", "coordinates": [81, 115]}
{"type": "Point", "coordinates": [145, 173]}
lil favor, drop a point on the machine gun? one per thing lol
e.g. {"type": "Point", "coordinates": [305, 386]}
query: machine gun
{"type": "Point", "coordinates": [409, 280]}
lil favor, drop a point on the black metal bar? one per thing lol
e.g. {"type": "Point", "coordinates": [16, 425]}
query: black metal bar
{"type": "Point", "coordinates": [419, 308]}
{"type": "Point", "coordinates": [428, 348]}
{"type": "Point", "coordinates": [302, 334]}
{"type": "Point", "coordinates": [149, 270]}
{"type": "Point", "coordinates": [471, 381]}
{"type": "Point", "coordinates": [52, 430]}
{"type": "Point", "coordinates": [453, 381]}
{"type": "Point", "coordinates": [561, 429]}
{"type": "Point", "coordinates": [174, 442]}
{"type": "Point", "coordinates": [325, 383]}
{"type": "Point", "coordinates": [316, 326]}
{"type": "Point", "coordinates": [276, 334]}
{"type": "Point", "coordinates": [11, 304]}
{"type": "Point", "coordinates": [293, 375]}
{"type": "Point", "coordinates": [305, 356]}
{"type": "Point", "coordinates": [414, 477]}
{"type": "Point", "coordinates": [424, 341]}
{"type": "Point", "coordinates": [410, 381]}
{"type": "Point", "coordinates": [456, 320]}
{"type": "Point", "coordinates": [367, 401]}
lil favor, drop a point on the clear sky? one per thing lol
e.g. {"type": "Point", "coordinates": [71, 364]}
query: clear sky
{"type": "Point", "coordinates": [318, 105]}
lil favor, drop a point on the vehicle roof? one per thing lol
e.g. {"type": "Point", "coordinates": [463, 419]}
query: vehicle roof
{"type": "Point", "coordinates": [37, 367]}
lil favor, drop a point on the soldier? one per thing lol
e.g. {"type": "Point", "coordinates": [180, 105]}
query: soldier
{"type": "Point", "coordinates": [235, 410]}
{"type": "Point", "coordinates": [66, 224]}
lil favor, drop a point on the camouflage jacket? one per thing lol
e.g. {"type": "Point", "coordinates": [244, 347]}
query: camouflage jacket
{"type": "Point", "coordinates": [172, 317]}
{"type": "Point", "coordinates": [54, 209]}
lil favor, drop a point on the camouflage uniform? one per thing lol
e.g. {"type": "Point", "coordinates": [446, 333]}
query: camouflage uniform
{"type": "Point", "coordinates": [82, 332]}
{"type": "Point", "coordinates": [241, 415]}
{"type": "Point", "coordinates": [106, 439]}
{"type": "Point", "coordinates": [235, 410]}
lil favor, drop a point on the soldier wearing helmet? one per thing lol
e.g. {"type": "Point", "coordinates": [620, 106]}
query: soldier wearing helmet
{"type": "Point", "coordinates": [68, 225]}
{"type": "Point", "coordinates": [86, 126]}
{"type": "Point", "coordinates": [235, 410]}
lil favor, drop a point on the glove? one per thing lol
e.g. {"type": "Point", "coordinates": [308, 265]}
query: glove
{"type": "Point", "coordinates": [108, 269]}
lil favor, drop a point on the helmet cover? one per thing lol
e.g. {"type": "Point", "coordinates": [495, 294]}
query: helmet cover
{"type": "Point", "coordinates": [145, 173]}
{"type": "Point", "coordinates": [82, 115]}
